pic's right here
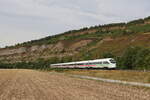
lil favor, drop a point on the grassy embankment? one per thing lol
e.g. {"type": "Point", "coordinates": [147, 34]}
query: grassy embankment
{"type": "Point", "coordinates": [124, 75]}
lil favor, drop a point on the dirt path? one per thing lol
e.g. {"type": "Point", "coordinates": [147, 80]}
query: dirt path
{"type": "Point", "coordinates": [35, 85]}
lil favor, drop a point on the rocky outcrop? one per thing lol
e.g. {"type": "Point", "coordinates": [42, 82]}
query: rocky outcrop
{"type": "Point", "coordinates": [80, 44]}
{"type": "Point", "coordinates": [42, 51]}
{"type": "Point", "coordinates": [4, 52]}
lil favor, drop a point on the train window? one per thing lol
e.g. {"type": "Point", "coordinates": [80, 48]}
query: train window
{"type": "Point", "coordinates": [105, 62]}
{"type": "Point", "coordinates": [93, 63]}
{"type": "Point", "coordinates": [112, 61]}
{"type": "Point", "coordinates": [97, 62]}
{"type": "Point", "coordinates": [81, 64]}
{"type": "Point", "coordinates": [85, 63]}
{"type": "Point", "coordinates": [100, 62]}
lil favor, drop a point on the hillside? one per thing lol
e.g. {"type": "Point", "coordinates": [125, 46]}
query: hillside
{"type": "Point", "coordinates": [87, 43]}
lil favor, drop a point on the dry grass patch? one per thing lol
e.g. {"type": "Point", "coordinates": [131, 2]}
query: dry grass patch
{"type": "Point", "coordinates": [133, 76]}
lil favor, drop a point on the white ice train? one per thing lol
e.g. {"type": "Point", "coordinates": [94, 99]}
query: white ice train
{"type": "Point", "coordinates": [108, 63]}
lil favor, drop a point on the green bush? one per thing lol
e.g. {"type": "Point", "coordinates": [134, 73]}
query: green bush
{"type": "Point", "coordinates": [135, 58]}
{"type": "Point", "coordinates": [108, 55]}
{"type": "Point", "coordinates": [139, 21]}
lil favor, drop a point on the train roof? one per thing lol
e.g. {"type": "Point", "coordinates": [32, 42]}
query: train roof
{"type": "Point", "coordinates": [78, 62]}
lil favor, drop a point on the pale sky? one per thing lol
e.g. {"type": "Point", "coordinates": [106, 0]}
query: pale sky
{"type": "Point", "coordinates": [24, 20]}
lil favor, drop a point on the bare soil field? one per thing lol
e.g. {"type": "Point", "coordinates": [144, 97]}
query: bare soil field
{"type": "Point", "coordinates": [36, 85]}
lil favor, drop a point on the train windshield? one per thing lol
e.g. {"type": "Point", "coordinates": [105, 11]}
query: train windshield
{"type": "Point", "coordinates": [112, 61]}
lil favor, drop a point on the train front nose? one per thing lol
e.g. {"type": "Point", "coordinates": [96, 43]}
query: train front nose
{"type": "Point", "coordinates": [113, 66]}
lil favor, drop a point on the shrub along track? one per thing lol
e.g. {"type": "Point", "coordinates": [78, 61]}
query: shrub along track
{"type": "Point", "coordinates": [35, 85]}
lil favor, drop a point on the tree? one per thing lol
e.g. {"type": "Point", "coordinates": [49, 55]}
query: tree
{"type": "Point", "coordinates": [129, 57]}
{"type": "Point", "coordinates": [107, 55]}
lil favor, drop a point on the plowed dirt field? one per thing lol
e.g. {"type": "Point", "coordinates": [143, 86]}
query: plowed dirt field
{"type": "Point", "coordinates": [36, 85]}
